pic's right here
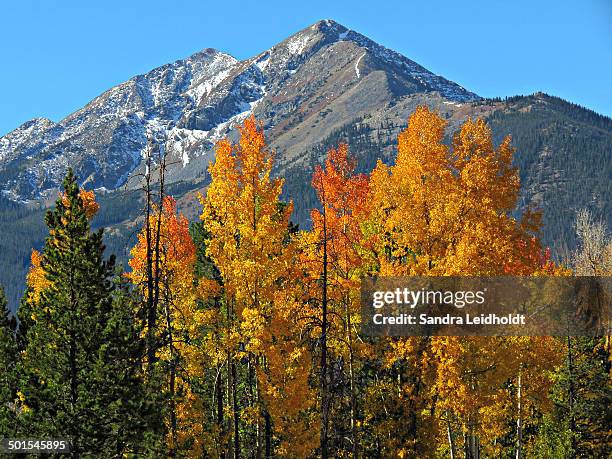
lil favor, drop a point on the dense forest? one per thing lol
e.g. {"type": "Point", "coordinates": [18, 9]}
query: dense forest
{"type": "Point", "coordinates": [571, 168]}
{"type": "Point", "coordinates": [239, 335]}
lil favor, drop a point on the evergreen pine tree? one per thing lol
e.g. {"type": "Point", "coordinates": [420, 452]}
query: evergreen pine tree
{"type": "Point", "coordinates": [80, 371]}
{"type": "Point", "coordinates": [582, 398]}
{"type": "Point", "coordinates": [8, 360]}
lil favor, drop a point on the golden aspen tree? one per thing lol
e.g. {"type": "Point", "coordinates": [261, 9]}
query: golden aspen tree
{"type": "Point", "coordinates": [249, 245]}
{"type": "Point", "coordinates": [443, 211]}
{"type": "Point", "coordinates": [491, 389]}
{"type": "Point", "coordinates": [406, 231]}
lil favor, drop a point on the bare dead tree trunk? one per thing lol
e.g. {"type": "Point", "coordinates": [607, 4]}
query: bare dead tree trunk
{"type": "Point", "coordinates": [151, 310]}
{"type": "Point", "coordinates": [153, 245]}
{"type": "Point", "coordinates": [160, 211]}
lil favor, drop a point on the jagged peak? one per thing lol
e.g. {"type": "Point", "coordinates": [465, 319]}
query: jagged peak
{"type": "Point", "coordinates": [325, 30]}
{"type": "Point", "coordinates": [38, 121]}
{"type": "Point", "coordinates": [208, 53]}
{"type": "Point", "coordinates": [34, 123]}
{"type": "Point", "coordinates": [328, 32]}
{"type": "Point", "coordinates": [328, 25]}
{"type": "Point", "coordinates": [334, 31]}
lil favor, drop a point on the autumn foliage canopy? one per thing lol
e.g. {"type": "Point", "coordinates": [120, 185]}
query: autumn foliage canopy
{"type": "Point", "coordinates": [250, 327]}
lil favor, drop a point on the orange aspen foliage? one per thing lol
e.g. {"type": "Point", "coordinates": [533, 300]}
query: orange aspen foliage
{"type": "Point", "coordinates": [343, 195]}
{"type": "Point", "coordinates": [178, 321]}
{"type": "Point", "coordinates": [331, 255]}
{"type": "Point", "coordinates": [177, 250]}
{"type": "Point", "coordinates": [446, 210]}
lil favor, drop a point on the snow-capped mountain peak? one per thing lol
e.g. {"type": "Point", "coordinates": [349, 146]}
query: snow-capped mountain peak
{"type": "Point", "coordinates": [193, 102]}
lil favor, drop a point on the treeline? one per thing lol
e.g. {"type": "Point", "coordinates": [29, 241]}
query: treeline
{"type": "Point", "coordinates": [239, 335]}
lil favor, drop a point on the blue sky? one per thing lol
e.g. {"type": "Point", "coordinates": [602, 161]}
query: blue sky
{"type": "Point", "coordinates": [57, 55]}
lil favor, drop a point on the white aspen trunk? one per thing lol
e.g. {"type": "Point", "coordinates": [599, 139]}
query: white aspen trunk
{"type": "Point", "coordinates": [519, 420]}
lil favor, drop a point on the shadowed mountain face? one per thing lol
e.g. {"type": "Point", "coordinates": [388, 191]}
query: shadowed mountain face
{"type": "Point", "coordinates": [323, 85]}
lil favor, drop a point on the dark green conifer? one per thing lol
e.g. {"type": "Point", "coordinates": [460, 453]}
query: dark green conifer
{"type": "Point", "coordinates": [8, 361]}
{"type": "Point", "coordinates": [81, 366]}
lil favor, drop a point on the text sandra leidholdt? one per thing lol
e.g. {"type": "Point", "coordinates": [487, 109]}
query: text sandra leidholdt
{"type": "Point", "coordinates": [485, 306]}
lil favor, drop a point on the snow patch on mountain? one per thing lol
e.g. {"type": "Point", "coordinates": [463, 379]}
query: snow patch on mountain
{"type": "Point", "coordinates": [298, 44]}
{"type": "Point", "coordinates": [263, 61]}
{"type": "Point", "coordinates": [357, 65]}
{"type": "Point", "coordinates": [30, 131]}
{"type": "Point", "coordinates": [213, 75]}
{"type": "Point", "coordinates": [182, 141]}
